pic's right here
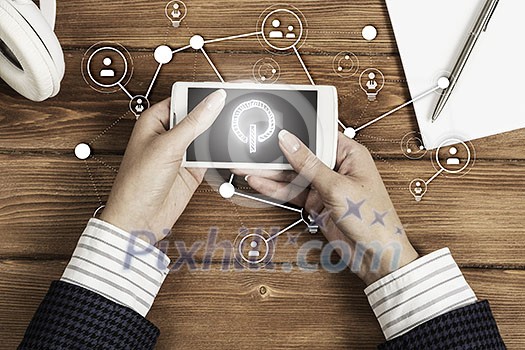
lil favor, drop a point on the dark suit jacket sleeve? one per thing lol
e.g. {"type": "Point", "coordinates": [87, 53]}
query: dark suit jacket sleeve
{"type": "Point", "coordinates": [470, 327]}
{"type": "Point", "coordinates": [71, 317]}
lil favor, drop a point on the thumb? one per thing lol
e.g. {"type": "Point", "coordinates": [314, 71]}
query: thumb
{"type": "Point", "coordinates": [305, 163]}
{"type": "Point", "coordinates": [198, 120]}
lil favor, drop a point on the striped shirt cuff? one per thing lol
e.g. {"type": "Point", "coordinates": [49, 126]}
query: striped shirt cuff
{"type": "Point", "coordinates": [118, 266]}
{"type": "Point", "coordinates": [418, 292]}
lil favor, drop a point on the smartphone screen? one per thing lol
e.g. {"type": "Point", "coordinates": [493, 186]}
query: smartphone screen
{"type": "Point", "coordinates": [246, 131]}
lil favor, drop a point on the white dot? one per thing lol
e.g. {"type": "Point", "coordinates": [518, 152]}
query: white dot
{"type": "Point", "coordinates": [107, 61]}
{"type": "Point", "coordinates": [274, 71]}
{"type": "Point", "coordinates": [347, 57]}
{"type": "Point", "coordinates": [418, 184]}
{"type": "Point", "coordinates": [176, 6]}
{"type": "Point", "coordinates": [453, 151]}
{"type": "Point", "coordinates": [443, 83]}
{"type": "Point", "coordinates": [369, 33]}
{"type": "Point", "coordinates": [350, 133]}
{"type": "Point", "coordinates": [263, 78]}
{"type": "Point", "coordinates": [421, 148]}
{"type": "Point", "coordinates": [197, 42]}
{"type": "Point", "coordinates": [290, 28]}
{"type": "Point", "coordinates": [226, 190]}
{"type": "Point", "coordinates": [409, 150]}
{"type": "Point", "coordinates": [163, 54]}
{"type": "Point", "coordinates": [253, 244]}
{"type": "Point", "coordinates": [276, 23]}
{"type": "Point", "coordinates": [372, 76]}
{"type": "Point", "coordinates": [82, 151]}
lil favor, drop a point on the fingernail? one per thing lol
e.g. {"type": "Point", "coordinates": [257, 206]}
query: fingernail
{"type": "Point", "coordinates": [289, 141]}
{"type": "Point", "coordinates": [215, 100]}
{"type": "Point", "coordinates": [246, 178]}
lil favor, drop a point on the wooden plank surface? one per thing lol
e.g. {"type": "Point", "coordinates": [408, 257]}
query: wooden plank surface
{"type": "Point", "coordinates": [231, 310]}
{"type": "Point", "coordinates": [47, 195]}
{"type": "Point", "coordinates": [52, 196]}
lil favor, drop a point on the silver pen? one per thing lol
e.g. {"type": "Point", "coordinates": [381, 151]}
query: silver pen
{"type": "Point", "coordinates": [480, 27]}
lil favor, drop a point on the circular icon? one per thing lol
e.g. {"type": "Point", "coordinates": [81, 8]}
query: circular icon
{"type": "Point", "coordinates": [252, 138]}
{"type": "Point", "coordinates": [440, 80]}
{"type": "Point", "coordinates": [253, 248]}
{"type": "Point", "coordinates": [369, 33]}
{"type": "Point", "coordinates": [345, 64]}
{"type": "Point", "coordinates": [163, 54]}
{"type": "Point", "coordinates": [454, 157]}
{"type": "Point", "coordinates": [138, 104]}
{"type": "Point", "coordinates": [197, 42]}
{"type": "Point", "coordinates": [107, 67]}
{"type": "Point", "coordinates": [350, 132]}
{"type": "Point", "coordinates": [226, 190]}
{"type": "Point", "coordinates": [266, 70]}
{"type": "Point", "coordinates": [412, 146]}
{"type": "Point", "coordinates": [418, 188]}
{"type": "Point", "coordinates": [443, 83]}
{"type": "Point", "coordinates": [282, 29]}
{"type": "Point", "coordinates": [82, 151]}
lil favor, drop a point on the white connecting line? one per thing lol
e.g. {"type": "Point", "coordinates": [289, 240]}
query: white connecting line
{"type": "Point", "coordinates": [394, 110]}
{"type": "Point", "coordinates": [231, 37]}
{"type": "Point", "coordinates": [212, 65]}
{"type": "Point", "coordinates": [434, 176]}
{"type": "Point", "coordinates": [284, 230]}
{"type": "Point", "coordinates": [303, 65]}
{"type": "Point", "coordinates": [125, 90]}
{"type": "Point", "coordinates": [244, 195]}
{"type": "Point", "coordinates": [153, 80]}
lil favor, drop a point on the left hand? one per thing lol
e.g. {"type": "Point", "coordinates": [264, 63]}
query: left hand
{"type": "Point", "coordinates": [151, 189]}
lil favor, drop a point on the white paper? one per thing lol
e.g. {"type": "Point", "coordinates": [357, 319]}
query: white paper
{"type": "Point", "coordinates": [490, 96]}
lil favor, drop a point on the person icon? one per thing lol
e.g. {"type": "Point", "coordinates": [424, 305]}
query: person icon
{"type": "Point", "coordinates": [253, 253]}
{"type": "Point", "coordinates": [372, 83]}
{"type": "Point", "coordinates": [139, 107]}
{"type": "Point", "coordinates": [418, 189]}
{"type": "Point", "coordinates": [175, 13]}
{"type": "Point", "coordinates": [290, 34]}
{"type": "Point", "coordinates": [107, 72]}
{"type": "Point", "coordinates": [276, 33]}
{"type": "Point", "coordinates": [453, 151]}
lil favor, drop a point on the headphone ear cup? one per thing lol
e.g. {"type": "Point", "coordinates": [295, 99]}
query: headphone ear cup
{"type": "Point", "coordinates": [38, 78]}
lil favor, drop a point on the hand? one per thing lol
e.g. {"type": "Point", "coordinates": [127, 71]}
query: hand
{"type": "Point", "coordinates": [151, 189]}
{"type": "Point", "coordinates": [350, 204]}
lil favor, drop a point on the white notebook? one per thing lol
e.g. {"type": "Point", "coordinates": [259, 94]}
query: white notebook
{"type": "Point", "coordinates": [490, 95]}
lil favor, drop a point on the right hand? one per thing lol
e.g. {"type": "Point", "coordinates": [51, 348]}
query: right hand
{"type": "Point", "coordinates": [353, 199]}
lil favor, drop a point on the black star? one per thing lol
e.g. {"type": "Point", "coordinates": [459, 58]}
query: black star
{"type": "Point", "coordinates": [352, 209]}
{"type": "Point", "coordinates": [379, 218]}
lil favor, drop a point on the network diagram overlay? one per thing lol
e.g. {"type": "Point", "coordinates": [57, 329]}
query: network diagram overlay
{"type": "Point", "coordinates": [281, 29]}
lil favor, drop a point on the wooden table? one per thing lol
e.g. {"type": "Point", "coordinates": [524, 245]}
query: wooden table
{"type": "Point", "coordinates": [47, 195]}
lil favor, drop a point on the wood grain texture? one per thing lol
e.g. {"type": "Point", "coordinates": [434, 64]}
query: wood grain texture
{"type": "Point", "coordinates": [46, 201]}
{"type": "Point", "coordinates": [47, 195]}
{"type": "Point", "coordinates": [231, 310]}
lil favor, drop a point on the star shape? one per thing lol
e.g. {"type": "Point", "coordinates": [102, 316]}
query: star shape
{"type": "Point", "coordinates": [320, 219]}
{"type": "Point", "coordinates": [399, 231]}
{"type": "Point", "coordinates": [352, 208]}
{"type": "Point", "coordinates": [292, 238]}
{"type": "Point", "coordinates": [379, 218]}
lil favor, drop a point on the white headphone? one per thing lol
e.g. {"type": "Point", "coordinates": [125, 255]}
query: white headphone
{"type": "Point", "coordinates": [31, 59]}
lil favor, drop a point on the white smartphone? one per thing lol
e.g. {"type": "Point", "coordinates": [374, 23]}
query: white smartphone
{"type": "Point", "coordinates": [245, 134]}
